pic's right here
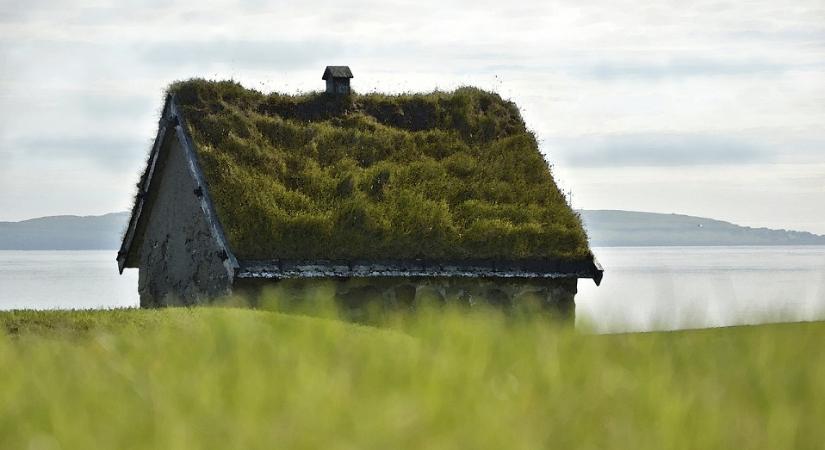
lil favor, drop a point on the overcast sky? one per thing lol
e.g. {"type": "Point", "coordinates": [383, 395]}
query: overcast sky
{"type": "Point", "coordinates": [708, 108]}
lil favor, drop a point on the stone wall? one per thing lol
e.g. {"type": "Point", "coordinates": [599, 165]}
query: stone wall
{"type": "Point", "coordinates": [180, 260]}
{"type": "Point", "coordinates": [401, 292]}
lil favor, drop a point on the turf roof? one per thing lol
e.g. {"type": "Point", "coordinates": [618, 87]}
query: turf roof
{"type": "Point", "coordinates": [437, 176]}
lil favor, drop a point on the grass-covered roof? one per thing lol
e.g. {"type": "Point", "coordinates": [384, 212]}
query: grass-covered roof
{"type": "Point", "coordinates": [437, 176]}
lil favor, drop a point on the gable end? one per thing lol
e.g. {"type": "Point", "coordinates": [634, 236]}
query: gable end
{"type": "Point", "coordinates": [171, 126]}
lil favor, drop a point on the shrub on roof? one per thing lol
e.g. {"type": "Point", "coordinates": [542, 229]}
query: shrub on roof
{"type": "Point", "coordinates": [442, 175]}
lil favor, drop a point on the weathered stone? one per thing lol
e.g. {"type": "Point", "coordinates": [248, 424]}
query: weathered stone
{"type": "Point", "coordinates": [497, 297]}
{"type": "Point", "coordinates": [404, 295]}
{"type": "Point", "coordinates": [457, 295]}
{"type": "Point", "coordinates": [404, 292]}
{"type": "Point", "coordinates": [180, 260]}
{"type": "Point", "coordinates": [358, 296]}
{"type": "Point", "coordinates": [429, 291]}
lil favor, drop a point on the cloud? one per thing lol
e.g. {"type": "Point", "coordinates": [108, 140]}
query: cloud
{"type": "Point", "coordinates": [815, 36]}
{"type": "Point", "coordinates": [113, 153]}
{"type": "Point", "coordinates": [279, 54]}
{"type": "Point", "coordinates": [687, 67]}
{"type": "Point", "coordinates": [648, 67]}
{"type": "Point", "coordinates": [666, 86]}
{"type": "Point", "coordinates": [655, 149]}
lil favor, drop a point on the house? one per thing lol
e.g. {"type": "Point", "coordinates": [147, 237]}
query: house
{"type": "Point", "coordinates": [394, 198]}
{"type": "Point", "coordinates": [337, 78]}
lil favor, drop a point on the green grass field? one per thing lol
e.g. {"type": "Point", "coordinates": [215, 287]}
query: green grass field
{"type": "Point", "coordinates": [242, 379]}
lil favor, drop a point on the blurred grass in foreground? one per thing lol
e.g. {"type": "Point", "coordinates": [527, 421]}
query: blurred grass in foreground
{"type": "Point", "coordinates": [435, 378]}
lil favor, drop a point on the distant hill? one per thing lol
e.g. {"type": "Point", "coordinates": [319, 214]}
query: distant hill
{"type": "Point", "coordinates": [613, 228]}
{"type": "Point", "coordinates": [64, 233]}
{"type": "Point", "coordinates": [606, 228]}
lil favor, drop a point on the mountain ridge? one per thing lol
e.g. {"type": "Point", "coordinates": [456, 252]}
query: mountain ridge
{"type": "Point", "coordinates": [606, 228]}
{"type": "Point", "coordinates": [613, 228]}
{"type": "Point", "coordinates": [64, 232]}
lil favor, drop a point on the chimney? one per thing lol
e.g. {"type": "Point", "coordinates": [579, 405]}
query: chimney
{"type": "Point", "coordinates": [337, 78]}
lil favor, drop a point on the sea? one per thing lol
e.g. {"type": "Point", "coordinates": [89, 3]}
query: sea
{"type": "Point", "coordinates": [644, 288]}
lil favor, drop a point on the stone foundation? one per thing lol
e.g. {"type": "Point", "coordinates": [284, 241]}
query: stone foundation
{"type": "Point", "coordinates": [398, 292]}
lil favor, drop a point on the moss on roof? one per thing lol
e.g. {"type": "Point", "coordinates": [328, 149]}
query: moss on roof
{"type": "Point", "coordinates": [440, 176]}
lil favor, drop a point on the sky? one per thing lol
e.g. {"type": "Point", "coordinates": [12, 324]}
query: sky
{"type": "Point", "coordinates": [708, 108]}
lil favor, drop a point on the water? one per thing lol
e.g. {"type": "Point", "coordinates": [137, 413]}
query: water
{"type": "Point", "coordinates": [656, 288]}
{"type": "Point", "coordinates": [645, 288]}
{"type": "Point", "coordinates": [64, 280]}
